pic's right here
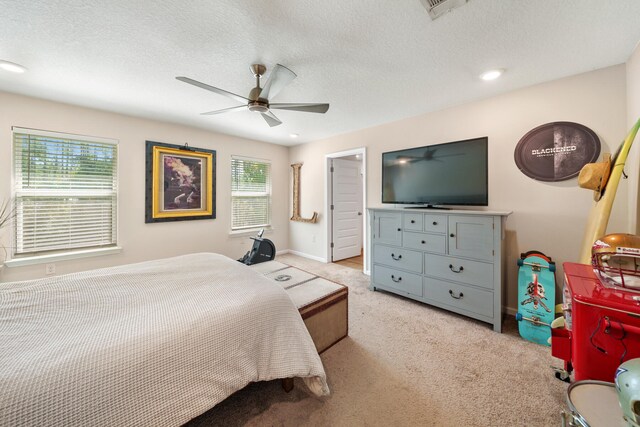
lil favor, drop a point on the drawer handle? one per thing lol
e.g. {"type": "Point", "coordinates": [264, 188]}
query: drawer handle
{"type": "Point", "coordinates": [460, 295]}
{"type": "Point", "coordinates": [454, 270]}
{"type": "Point", "coordinates": [452, 235]}
{"type": "Point", "coordinates": [394, 257]}
{"type": "Point", "coordinates": [435, 222]}
{"type": "Point", "coordinates": [399, 229]}
{"type": "Point", "coordinates": [423, 242]}
{"type": "Point", "coordinates": [396, 280]}
{"type": "Point", "coordinates": [413, 221]}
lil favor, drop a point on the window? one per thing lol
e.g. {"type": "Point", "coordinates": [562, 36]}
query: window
{"type": "Point", "coordinates": [65, 192]}
{"type": "Point", "coordinates": [250, 193]}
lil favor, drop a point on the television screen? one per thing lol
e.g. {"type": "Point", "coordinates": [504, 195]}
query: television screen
{"type": "Point", "coordinates": [454, 173]}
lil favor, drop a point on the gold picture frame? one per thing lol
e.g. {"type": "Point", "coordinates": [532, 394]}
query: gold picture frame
{"type": "Point", "coordinates": [180, 183]}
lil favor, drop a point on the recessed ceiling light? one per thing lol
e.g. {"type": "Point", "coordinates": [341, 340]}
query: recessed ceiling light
{"type": "Point", "coordinates": [491, 74]}
{"type": "Point", "coordinates": [294, 135]}
{"type": "Point", "coordinates": [12, 67]}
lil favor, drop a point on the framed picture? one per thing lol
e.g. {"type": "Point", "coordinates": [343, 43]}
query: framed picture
{"type": "Point", "coordinates": [180, 183]}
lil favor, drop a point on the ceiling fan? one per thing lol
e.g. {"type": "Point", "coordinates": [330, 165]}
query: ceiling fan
{"type": "Point", "coordinates": [258, 99]}
{"type": "Point", "coordinates": [429, 154]}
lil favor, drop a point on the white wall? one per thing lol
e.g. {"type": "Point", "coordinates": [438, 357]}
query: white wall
{"type": "Point", "coordinates": [633, 114]}
{"type": "Point", "coordinates": [549, 217]}
{"type": "Point", "coordinates": [142, 241]}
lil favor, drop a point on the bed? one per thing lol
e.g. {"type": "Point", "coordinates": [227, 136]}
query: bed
{"type": "Point", "coordinates": [154, 343]}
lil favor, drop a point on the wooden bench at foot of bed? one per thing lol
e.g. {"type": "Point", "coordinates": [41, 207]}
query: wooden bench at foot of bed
{"type": "Point", "coordinates": [323, 304]}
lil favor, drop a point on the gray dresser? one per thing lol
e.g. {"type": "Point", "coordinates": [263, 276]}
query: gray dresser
{"type": "Point", "coordinates": [451, 259]}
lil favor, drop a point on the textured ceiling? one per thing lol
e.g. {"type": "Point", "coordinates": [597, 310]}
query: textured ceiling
{"type": "Point", "coordinates": [373, 61]}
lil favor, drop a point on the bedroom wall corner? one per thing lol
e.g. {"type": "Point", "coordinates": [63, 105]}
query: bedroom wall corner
{"type": "Point", "coordinates": [140, 241]}
{"type": "Point", "coordinates": [548, 216]}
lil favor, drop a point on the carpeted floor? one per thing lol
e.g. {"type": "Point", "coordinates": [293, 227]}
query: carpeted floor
{"type": "Point", "coordinates": [408, 364]}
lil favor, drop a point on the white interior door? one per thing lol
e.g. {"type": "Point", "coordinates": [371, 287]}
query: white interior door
{"type": "Point", "coordinates": [346, 184]}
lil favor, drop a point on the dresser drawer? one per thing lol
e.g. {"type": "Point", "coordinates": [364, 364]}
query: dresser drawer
{"type": "Point", "coordinates": [398, 258]}
{"type": "Point", "coordinates": [425, 242]}
{"type": "Point", "coordinates": [435, 223]}
{"type": "Point", "coordinates": [461, 270]}
{"type": "Point", "coordinates": [398, 280]}
{"type": "Point", "coordinates": [412, 221]}
{"type": "Point", "coordinates": [460, 296]}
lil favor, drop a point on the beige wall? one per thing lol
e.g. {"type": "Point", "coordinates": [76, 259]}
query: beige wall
{"type": "Point", "coordinates": [549, 217]}
{"type": "Point", "coordinates": [633, 115]}
{"type": "Point", "coordinates": [142, 241]}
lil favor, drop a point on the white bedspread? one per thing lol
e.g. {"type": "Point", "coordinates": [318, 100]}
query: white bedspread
{"type": "Point", "coordinates": [153, 344]}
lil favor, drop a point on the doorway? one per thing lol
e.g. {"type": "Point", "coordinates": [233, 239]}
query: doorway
{"type": "Point", "coordinates": [346, 201]}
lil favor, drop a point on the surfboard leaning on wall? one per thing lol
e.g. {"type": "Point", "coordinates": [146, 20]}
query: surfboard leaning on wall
{"type": "Point", "coordinates": [601, 210]}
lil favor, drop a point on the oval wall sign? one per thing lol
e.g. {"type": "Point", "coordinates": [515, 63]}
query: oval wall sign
{"type": "Point", "coordinates": [556, 151]}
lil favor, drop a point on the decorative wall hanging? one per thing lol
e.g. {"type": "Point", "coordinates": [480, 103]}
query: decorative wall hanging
{"type": "Point", "coordinates": [296, 197]}
{"type": "Point", "coordinates": [556, 151]}
{"type": "Point", "coordinates": [180, 183]}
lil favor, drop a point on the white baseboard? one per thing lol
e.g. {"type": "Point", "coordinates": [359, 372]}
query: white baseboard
{"type": "Point", "coordinates": [302, 254]}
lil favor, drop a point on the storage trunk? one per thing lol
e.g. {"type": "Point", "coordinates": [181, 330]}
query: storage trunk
{"type": "Point", "coordinates": [323, 304]}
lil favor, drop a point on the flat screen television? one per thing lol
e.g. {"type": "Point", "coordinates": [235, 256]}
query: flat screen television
{"type": "Point", "coordinates": [454, 173]}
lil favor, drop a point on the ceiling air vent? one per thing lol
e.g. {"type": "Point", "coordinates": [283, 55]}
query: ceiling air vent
{"type": "Point", "coordinates": [438, 8]}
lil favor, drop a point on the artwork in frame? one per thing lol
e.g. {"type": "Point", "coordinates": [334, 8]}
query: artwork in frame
{"type": "Point", "coordinates": [180, 183]}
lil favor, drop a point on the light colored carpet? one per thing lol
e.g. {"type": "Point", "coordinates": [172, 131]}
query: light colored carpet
{"type": "Point", "coordinates": [408, 364]}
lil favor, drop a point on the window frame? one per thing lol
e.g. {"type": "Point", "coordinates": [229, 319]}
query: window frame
{"type": "Point", "coordinates": [21, 259]}
{"type": "Point", "coordinates": [268, 193]}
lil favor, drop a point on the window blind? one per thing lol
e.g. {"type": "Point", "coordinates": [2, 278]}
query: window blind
{"type": "Point", "coordinates": [65, 192]}
{"type": "Point", "coordinates": [250, 193]}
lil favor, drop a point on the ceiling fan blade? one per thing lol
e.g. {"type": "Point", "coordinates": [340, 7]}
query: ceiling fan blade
{"type": "Point", "coordinates": [219, 91]}
{"type": "Point", "coordinates": [271, 119]}
{"type": "Point", "coordinates": [225, 110]}
{"type": "Point", "coordinates": [280, 77]}
{"type": "Point", "coordinates": [309, 108]}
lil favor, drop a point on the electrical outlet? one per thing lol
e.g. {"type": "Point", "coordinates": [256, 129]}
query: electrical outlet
{"type": "Point", "coordinates": [50, 269]}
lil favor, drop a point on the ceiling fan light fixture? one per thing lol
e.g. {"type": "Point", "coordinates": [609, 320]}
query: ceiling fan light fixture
{"type": "Point", "coordinates": [492, 74]}
{"type": "Point", "coordinates": [258, 107]}
{"type": "Point", "coordinates": [12, 67]}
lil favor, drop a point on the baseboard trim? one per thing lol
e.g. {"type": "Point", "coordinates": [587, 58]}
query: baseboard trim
{"type": "Point", "coordinates": [302, 254]}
